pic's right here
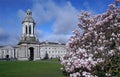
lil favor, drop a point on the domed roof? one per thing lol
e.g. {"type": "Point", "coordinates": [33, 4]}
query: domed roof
{"type": "Point", "coordinates": [28, 18]}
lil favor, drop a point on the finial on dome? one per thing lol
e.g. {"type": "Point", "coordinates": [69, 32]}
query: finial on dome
{"type": "Point", "coordinates": [29, 12]}
{"type": "Point", "coordinates": [28, 17]}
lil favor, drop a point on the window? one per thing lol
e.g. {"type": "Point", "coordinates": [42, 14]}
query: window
{"type": "Point", "coordinates": [29, 29]}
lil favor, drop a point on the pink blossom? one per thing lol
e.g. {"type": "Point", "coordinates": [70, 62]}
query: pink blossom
{"type": "Point", "coordinates": [99, 42]}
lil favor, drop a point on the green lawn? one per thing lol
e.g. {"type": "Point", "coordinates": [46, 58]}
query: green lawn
{"type": "Point", "coordinates": [49, 68]}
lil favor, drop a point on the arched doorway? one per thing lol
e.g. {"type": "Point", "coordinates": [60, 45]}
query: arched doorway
{"type": "Point", "coordinates": [31, 53]}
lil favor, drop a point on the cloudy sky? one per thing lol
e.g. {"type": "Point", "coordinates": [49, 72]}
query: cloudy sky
{"type": "Point", "coordinates": [55, 19]}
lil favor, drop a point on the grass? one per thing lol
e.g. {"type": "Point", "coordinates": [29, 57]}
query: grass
{"type": "Point", "coordinates": [47, 68]}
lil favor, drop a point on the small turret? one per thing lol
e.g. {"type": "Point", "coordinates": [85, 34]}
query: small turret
{"type": "Point", "coordinates": [28, 17]}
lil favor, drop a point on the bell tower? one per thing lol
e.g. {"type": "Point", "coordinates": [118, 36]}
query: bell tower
{"type": "Point", "coordinates": [28, 31]}
{"type": "Point", "coordinates": [29, 45]}
{"type": "Point", "coordinates": [28, 24]}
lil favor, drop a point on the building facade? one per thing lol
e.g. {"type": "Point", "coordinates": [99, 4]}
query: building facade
{"type": "Point", "coordinates": [29, 47]}
{"type": "Point", "coordinates": [53, 50]}
{"type": "Point", "coordinates": [8, 52]}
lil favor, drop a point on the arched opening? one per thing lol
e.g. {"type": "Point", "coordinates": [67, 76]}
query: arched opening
{"type": "Point", "coordinates": [7, 57]}
{"type": "Point", "coordinates": [29, 29]}
{"type": "Point", "coordinates": [31, 53]}
{"type": "Point", "coordinates": [26, 29]}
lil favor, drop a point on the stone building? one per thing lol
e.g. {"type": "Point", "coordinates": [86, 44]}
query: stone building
{"type": "Point", "coordinates": [54, 50]}
{"type": "Point", "coordinates": [8, 52]}
{"type": "Point", "coordinates": [29, 47]}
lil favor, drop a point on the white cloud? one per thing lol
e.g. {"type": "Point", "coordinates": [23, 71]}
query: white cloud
{"type": "Point", "coordinates": [43, 12]}
{"type": "Point", "coordinates": [56, 38]}
{"type": "Point", "coordinates": [66, 20]}
{"type": "Point", "coordinates": [39, 33]}
{"type": "Point", "coordinates": [14, 39]}
{"type": "Point", "coordinates": [8, 38]}
{"type": "Point", "coordinates": [21, 14]}
{"type": "Point", "coordinates": [1, 31]}
{"type": "Point", "coordinates": [3, 35]}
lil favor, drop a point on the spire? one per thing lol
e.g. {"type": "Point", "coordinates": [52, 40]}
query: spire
{"type": "Point", "coordinates": [28, 17]}
{"type": "Point", "coordinates": [29, 12]}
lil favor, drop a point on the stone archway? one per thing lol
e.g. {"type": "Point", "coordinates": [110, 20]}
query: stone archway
{"type": "Point", "coordinates": [31, 53]}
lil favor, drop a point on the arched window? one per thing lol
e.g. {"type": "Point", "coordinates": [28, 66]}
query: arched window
{"type": "Point", "coordinates": [29, 29]}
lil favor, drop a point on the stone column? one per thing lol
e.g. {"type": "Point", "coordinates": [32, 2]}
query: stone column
{"type": "Point", "coordinates": [32, 30]}
{"type": "Point", "coordinates": [2, 53]}
{"type": "Point", "coordinates": [23, 29]}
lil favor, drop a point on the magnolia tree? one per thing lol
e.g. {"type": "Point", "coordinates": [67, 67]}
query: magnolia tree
{"type": "Point", "coordinates": [96, 52]}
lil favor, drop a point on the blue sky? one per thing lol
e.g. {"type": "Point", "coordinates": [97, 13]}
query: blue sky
{"type": "Point", "coordinates": [55, 19]}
